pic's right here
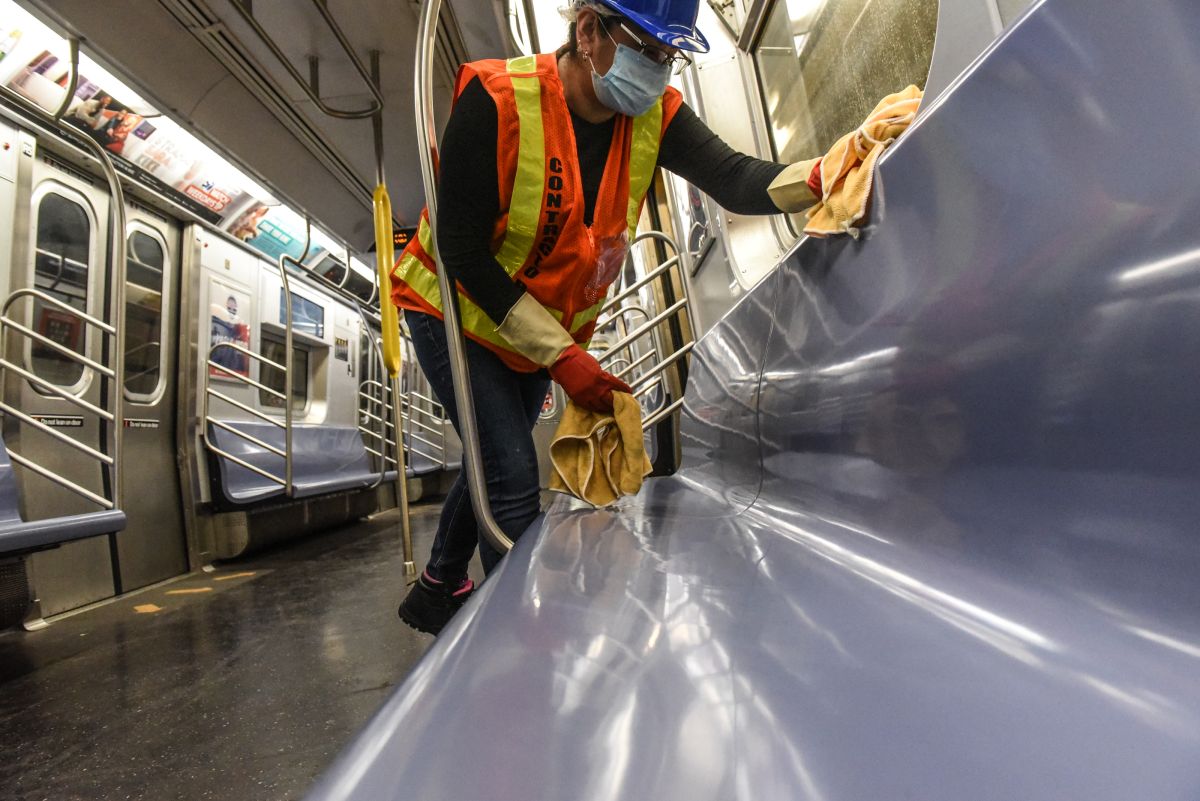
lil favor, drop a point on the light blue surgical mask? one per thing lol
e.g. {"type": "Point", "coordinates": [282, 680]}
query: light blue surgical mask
{"type": "Point", "coordinates": [632, 84]}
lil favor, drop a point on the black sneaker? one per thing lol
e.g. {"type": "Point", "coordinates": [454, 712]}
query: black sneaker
{"type": "Point", "coordinates": [430, 604]}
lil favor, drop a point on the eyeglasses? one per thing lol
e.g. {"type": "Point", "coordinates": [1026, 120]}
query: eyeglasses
{"type": "Point", "coordinates": [676, 61]}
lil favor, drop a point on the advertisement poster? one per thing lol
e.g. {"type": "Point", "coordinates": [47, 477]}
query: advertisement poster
{"type": "Point", "coordinates": [229, 310]}
{"type": "Point", "coordinates": [273, 231]}
{"type": "Point", "coordinates": [150, 148]}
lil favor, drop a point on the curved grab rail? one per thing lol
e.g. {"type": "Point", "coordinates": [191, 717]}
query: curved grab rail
{"type": "Point", "coordinates": [114, 396]}
{"type": "Point", "coordinates": [309, 89]}
{"type": "Point", "coordinates": [468, 426]}
{"type": "Point", "coordinates": [108, 460]}
{"type": "Point", "coordinates": [364, 386]}
{"type": "Point", "coordinates": [624, 302]}
{"type": "Point", "coordinates": [285, 397]}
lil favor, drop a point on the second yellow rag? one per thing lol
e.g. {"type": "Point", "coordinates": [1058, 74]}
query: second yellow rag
{"type": "Point", "coordinates": [600, 457]}
{"type": "Point", "coordinates": [848, 169]}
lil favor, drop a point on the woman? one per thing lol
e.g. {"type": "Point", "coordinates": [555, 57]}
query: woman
{"type": "Point", "coordinates": [536, 229]}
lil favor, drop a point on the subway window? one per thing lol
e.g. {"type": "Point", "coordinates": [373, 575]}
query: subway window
{"type": "Point", "coordinates": [274, 349]}
{"type": "Point", "coordinates": [145, 266]}
{"type": "Point", "coordinates": [307, 316]}
{"type": "Point", "coordinates": [62, 252]}
{"type": "Point", "coordinates": [331, 270]}
{"type": "Point", "coordinates": [824, 64]}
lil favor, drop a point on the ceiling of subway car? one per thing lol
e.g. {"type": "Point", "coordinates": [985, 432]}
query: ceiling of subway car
{"type": "Point", "coordinates": [203, 64]}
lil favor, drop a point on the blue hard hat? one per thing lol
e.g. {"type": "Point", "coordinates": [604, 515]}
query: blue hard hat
{"type": "Point", "coordinates": [672, 22]}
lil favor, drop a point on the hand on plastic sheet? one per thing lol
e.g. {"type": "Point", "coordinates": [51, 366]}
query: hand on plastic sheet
{"type": "Point", "coordinates": [585, 381]}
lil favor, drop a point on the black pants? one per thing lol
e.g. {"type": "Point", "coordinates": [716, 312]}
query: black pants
{"type": "Point", "coordinates": [507, 404]}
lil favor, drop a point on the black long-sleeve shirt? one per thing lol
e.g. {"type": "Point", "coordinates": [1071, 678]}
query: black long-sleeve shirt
{"type": "Point", "coordinates": [468, 187]}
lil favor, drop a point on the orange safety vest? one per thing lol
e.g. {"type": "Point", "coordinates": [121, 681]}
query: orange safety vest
{"type": "Point", "coordinates": [540, 238]}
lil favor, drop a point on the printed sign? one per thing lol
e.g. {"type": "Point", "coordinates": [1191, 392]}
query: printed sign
{"type": "Point", "coordinates": [229, 311]}
{"type": "Point", "coordinates": [133, 422]}
{"type": "Point", "coordinates": [341, 349]}
{"type": "Point", "coordinates": [59, 420]}
{"type": "Point", "coordinates": [402, 236]}
{"type": "Point", "coordinates": [273, 230]}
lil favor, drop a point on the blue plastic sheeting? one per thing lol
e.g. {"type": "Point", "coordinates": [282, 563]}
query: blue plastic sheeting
{"type": "Point", "coordinates": [18, 536]}
{"type": "Point", "coordinates": [324, 459]}
{"type": "Point", "coordinates": [935, 536]}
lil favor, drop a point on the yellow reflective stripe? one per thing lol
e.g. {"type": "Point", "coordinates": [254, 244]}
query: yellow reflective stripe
{"type": "Point", "coordinates": [522, 64]}
{"type": "Point", "coordinates": [586, 316]}
{"type": "Point", "coordinates": [643, 158]}
{"type": "Point", "coordinates": [525, 205]}
{"type": "Point", "coordinates": [424, 282]}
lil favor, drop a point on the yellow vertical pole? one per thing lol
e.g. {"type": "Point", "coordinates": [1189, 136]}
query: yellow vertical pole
{"type": "Point", "coordinates": [384, 249]}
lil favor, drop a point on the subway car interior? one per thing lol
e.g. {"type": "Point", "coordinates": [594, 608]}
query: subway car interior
{"type": "Point", "coordinates": [921, 517]}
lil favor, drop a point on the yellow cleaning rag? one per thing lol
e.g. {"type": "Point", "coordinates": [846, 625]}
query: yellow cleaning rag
{"type": "Point", "coordinates": [847, 170]}
{"type": "Point", "coordinates": [600, 457]}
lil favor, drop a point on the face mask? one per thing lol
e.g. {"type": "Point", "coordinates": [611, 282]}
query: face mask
{"type": "Point", "coordinates": [632, 84]}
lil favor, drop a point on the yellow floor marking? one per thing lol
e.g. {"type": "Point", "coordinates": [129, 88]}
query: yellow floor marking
{"type": "Point", "coordinates": [235, 575]}
{"type": "Point", "coordinates": [145, 609]}
{"type": "Point", "coordinates": [192, 591]}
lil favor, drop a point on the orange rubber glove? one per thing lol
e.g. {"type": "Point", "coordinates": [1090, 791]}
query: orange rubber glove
{"type": "Point", "coordinates": [814, 179]}
{"type": "Point", "coordinates": [585, 381]}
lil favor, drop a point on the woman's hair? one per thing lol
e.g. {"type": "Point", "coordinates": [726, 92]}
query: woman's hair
{"type": "Point", "coordinates": [571, 15]}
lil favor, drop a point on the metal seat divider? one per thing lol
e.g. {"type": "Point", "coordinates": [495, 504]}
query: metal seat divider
{"type": "Point", "coordinates": [436, 412]}
{"type": "Point", "coordinates": [112, 334]}
{"type": "Point", "coordinates": [286, 396]}
{"type": "Point", "coordinates": [613, 312]}
{"type": "Point", "coordinates": [385, 407]}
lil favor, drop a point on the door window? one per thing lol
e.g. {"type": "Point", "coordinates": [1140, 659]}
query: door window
{"type": "Point", "coordinates": [62, 255]}
{"type": "Point", "coordinates": [274, 350]}
{"type": "Point", "coordinates": [145, 266]}
{"type": "Point", "coordinates": [824, 64]}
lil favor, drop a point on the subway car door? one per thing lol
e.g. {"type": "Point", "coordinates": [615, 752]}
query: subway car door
{"type": "Point", "coordinates": [153, 546]}
{"type": "Point", "coordinates": [64, 255]}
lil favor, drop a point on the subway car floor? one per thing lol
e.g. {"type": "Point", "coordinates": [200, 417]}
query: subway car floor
{"type": "Point", "coordinates": [242, 683]}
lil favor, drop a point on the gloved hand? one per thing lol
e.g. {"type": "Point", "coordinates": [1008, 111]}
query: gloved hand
{"type": "Point", "coordinates": [814, 179]}
{"type": "Point", "coordinates": [797, 187]}
{"type": "Point", "coordinates": [585, 381]}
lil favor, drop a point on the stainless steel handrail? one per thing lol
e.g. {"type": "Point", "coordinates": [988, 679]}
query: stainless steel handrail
{"type": "Point", "coordinates": [389, 410]}
{"type": "Point", "coordinates": [7, 324]}
{"type": "Point", "coordinates": [669, 241]}
{"type": "Point", "coordinates": [112, 395]}
{"type": "Point", "coordinates": [381, 401]}
{"type": "Point", "coordinates": [208, 419]}
{"type": "Point", "coordinates": [427, 136]}
{"type": "Point", "coordinates": [412, 407]}
{"type": "Point", "coordinates": [614, 313]}
{"type": "Point", "coordinates": [264, 37]}
{"type": "Point", "coordinates": [641, 330]}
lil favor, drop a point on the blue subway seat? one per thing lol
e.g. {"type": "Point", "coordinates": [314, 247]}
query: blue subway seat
{"type": "Point", "coordinates": [934, 532]}
{"type": "Point", "coordinates": [18, 536]}
{"type": "Point", "coordinates": [325, 459]}
{"type": "Point", "coordinates": [419, 463]}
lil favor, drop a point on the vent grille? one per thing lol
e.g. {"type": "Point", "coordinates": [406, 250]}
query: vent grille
{"type": "Point", "coordinates": [14, 593]}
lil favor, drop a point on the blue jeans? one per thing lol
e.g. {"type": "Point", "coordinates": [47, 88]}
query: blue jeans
{"type": "Point", "coordinates": [507, 404]}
